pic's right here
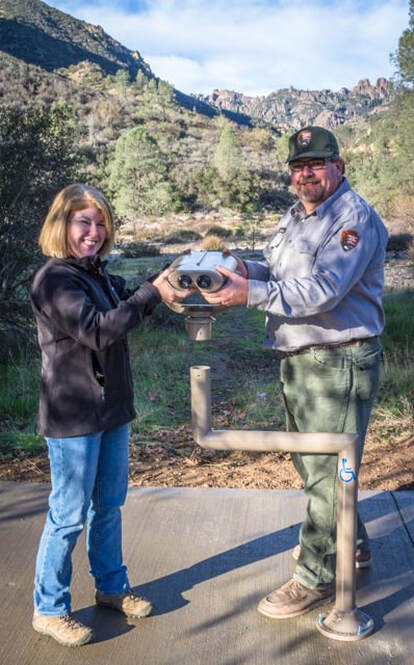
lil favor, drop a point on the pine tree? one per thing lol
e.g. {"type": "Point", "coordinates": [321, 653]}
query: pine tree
{"type": "Point", "coordinates": [122, 81]}
{"type": "Point", "coordinates": [227, 158]}
{"type": "Point", "coordinates": [165, 94]}
{"type": "Point", "coordinates": [140, 80]}
{"type": "Point", "coordinates": [138, 176]}
{"type": "Point", "coordinates": [404, 57]}
{"type": "Point", "coordinates": [234, 185]}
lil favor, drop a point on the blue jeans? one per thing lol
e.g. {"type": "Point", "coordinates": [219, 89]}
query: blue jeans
{"type": "Point", "coordinates": [89, 481]}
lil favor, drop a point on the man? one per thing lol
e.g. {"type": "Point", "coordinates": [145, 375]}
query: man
{"type": "Point", "coordinates": [321, 286]}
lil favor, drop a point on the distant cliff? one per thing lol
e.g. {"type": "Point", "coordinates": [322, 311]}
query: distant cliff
{"type": "Point", "coordinates": [289, 107]}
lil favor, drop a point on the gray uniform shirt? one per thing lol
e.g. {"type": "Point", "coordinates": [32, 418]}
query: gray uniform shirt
{"type": "Point", "coordinates": [323, 276]}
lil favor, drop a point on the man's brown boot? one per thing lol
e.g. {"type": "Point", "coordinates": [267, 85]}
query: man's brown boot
{"type": "Point", "coordinates": [293, 599]}
{"type": "Point", "coordinates": [127, 603]}
{"type": "Point", "coordinates": [66, 630]}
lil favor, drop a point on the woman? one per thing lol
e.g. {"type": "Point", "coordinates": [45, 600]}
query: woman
{"type": "Point", "coordinates": [86, 402]}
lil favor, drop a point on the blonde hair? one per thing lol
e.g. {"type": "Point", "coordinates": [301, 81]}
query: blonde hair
{"type": "Point", "coordinates": [53, 238]}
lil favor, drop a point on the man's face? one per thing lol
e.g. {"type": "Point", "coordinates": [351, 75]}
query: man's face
{"type": "Point", "coordinates": [314, 179]}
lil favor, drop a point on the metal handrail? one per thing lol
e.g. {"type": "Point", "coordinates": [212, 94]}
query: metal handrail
{"type": "Point", "coordinates": [345, 622]}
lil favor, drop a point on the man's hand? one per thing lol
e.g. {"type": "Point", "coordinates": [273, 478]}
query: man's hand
{"type": "Point", "coordinates": [234, 292]}
{"type": "Point", "coordinates": [167, 293]}
{"type": "Point", "coordinates": [240, 268]}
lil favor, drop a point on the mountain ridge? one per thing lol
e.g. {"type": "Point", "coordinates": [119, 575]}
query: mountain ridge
{"type": "Point", "coordinates": [37, 34]}
{"type": "Point", "coordinates": [292, 108]}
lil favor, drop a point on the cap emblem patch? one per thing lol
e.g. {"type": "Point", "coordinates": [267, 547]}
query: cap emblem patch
{"type": "Point", "coordinates": [304, 137]}
{"type": "Point", "coordinates": [349, 240]}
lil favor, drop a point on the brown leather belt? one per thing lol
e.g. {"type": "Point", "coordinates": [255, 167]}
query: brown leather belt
{"type": "Point", "coordinates": [306, 349]}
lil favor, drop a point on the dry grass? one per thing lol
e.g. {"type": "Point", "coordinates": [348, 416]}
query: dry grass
{"type": "Point", "coordinates": [212, 242]}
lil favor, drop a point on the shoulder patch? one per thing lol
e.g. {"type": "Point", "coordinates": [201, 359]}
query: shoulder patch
{"type": "Point", "coordinates": [349, 240]}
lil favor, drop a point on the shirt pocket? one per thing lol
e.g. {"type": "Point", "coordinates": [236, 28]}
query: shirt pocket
{"type": "Point", "coordinates": [305, 251]}
{"type": "Point", "coordinates": [278, 238]}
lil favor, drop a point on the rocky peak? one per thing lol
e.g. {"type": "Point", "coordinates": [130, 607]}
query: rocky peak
{"type": "Point", "coordinates": [288, 107]}
{"type": "Point", "coordinates": [381, 90]}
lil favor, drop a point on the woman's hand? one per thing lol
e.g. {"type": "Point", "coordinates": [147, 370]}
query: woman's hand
{"type": "Point", "coordinates": [167, 292]}
{"type": "Point", "coordinates": [234, 292]}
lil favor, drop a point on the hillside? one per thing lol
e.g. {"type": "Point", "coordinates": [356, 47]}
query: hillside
{"type": "Point", "coordinates": [37, 34]}
{"type": "Point", "coordinates": [49, 57]}
{"type": "Point", "coordinates": [41, 35]}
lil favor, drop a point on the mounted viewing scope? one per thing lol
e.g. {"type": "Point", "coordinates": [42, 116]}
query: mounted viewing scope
{"type": "Point", "coordinates": [199, 270]}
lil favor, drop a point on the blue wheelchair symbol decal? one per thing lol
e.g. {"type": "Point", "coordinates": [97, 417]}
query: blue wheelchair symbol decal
{"type": "Point", "coordinates": [346, 473]}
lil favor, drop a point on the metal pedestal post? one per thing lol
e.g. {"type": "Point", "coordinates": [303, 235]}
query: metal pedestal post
{"type": "Point", "coordinates": [345, 622]}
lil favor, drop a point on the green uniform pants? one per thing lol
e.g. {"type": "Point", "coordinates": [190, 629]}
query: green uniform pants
{"type": "Point", "coordinates": [327, 390]}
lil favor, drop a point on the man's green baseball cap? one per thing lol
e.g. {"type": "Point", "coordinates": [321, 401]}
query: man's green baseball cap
{"type": "Point", "coordinates": [312, 142]}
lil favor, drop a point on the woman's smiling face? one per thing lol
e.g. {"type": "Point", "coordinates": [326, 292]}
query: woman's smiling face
{"type": "Point", "coordinates": [86, 232]}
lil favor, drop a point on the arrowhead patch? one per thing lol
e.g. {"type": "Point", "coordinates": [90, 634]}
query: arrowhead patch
{"type": "Point", "coordinates": [349, 240]}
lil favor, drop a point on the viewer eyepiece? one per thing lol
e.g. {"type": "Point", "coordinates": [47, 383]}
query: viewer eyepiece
{"type": "Point", "coordinates": [203, 281]}
{"type": "Point", "coordinates": [184, 281]}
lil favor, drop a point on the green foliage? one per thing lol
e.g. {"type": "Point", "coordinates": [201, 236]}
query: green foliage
{"type": "Point", "coordinates": [21, 443]}
{"type": "Point", "coordinates": [397, 386]}
{"type": "Point", "coordinates": [399, 332]}
{"type": "Point", "coordinates": [282, 148]}
{"type": "Point", "coordinates": [138, 176]}
{"type": "Point", "coordinates": [251, 225]}
{"type": "Point", "coordinates": [122, 81]}
{"type": "Point", "coordinates": [378, 155]}
{"type": "Point", "coordinates": [404, 56]}
{"type": "Point", "coordinates": [232, 182]}
{"type": "Point", "coordinates": [203, 185]}
{"type": "Point", "coordinates": [378, 151]}
{"type": "Point", "coordinates": [19, 385]}
{"type": "Point", "coordinates": [165, 95]}
{"type": "Point", "coordinates": [134, 250]}
{"type": "Point", "coordinates": [182, 235]}
{"type": "Point", "coordinates": [399, 242]}
{"type": "Point", "coordinates": [140, 80]}
{"type": "Point", "coordinates": [38, 156]}
{"type": "Point", "coordinates": [157, 98]}
{"type": "Point", "coordinates": [227, 158]}
{"type": "Point", "coordinates": [220, 231]}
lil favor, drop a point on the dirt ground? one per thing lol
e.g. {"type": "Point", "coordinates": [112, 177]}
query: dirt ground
{"type": "Point", "coordinates": [172, 459]}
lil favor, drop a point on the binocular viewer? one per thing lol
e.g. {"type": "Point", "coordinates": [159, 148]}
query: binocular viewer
{"type": "Point", "coordinates": [199, 270]}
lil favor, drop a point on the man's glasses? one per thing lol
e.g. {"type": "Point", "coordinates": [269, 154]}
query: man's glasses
{"type": "Point", "coordinates": [313, 164]}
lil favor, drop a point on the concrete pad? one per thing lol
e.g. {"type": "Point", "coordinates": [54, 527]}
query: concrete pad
{"type": "Point", "coordinates": [405, 504]}
{"type": "Point", "coordinates": [205, 557]}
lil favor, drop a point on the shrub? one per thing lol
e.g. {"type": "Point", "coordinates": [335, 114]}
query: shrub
{"type": "Point", "coordinates": [134, 250]}
{"type": "Point", "coordinates": [212, 243]}
{"type": "Point", "coordinates": [399, 242]}
{"type": "Point", "coordinates": [182, 235]}
{"type": "Point", "coordinates": [219, 231]}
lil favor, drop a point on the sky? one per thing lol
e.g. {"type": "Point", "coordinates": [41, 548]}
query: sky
{"type": "Point", "coordinates": [254, 46]}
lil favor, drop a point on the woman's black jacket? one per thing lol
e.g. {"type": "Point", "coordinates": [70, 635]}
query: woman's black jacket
{"type": "Point", "coordinates": [82, 316]}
